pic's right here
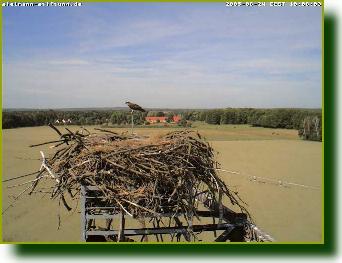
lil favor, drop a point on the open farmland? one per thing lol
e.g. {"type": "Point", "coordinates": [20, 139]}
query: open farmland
{"type": "Point", "coordinates": [287, 213]}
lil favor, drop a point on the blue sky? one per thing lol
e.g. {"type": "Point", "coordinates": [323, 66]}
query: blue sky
{"type": "Point", "coordinates": [178, 55]}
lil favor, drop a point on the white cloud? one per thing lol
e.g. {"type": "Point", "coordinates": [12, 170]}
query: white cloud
{"type": "Point", "coordinates": [167, 83]}
{"type": "Point", "coordinates": [198, 58]}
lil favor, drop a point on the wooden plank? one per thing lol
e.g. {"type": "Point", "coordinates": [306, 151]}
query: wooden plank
{"type": "Point", "coordinates": [100, 207]}
{"type": "Point", "coordinates": [83, 215]}
{"type": "Point", "coordinates": [121, 235]}
{"type": "Point", "coordinates": [91, 188]}
{"type": "Point", "coordinates": [215, 207]}
{"type": "Point", "coordinates": [163, 230]}
{"type": "Point", "coordinates": [180, 225]}
{"type": "Point", "coordinates": [214, 214]}
{"type": "Point", "coordinates": [226, 215]}
{"type": "Point", "coordinates": [224, 236]}
{"type": "Point", "coordinates": [102, 216]}
{"type": "Point", "coordinates": [93, 197]}
{"type": "Point", "coordinates": [237, 234]}
{"type": "Point", "coordinates": [220, 207]}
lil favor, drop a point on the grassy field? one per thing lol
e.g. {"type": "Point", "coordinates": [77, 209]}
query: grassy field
{"type": "Point", "coordinates": [289, 214]}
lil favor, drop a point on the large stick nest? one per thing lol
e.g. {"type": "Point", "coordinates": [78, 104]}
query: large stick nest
{"type": "Point", "coordinates": [137, 175]}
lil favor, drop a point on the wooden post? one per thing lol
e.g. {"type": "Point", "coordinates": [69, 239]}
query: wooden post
{"type": "Point", "coordinates": [121, 235]}
{"type": "Point", "coordinates": [132, 122]}
{"type": "Point", "coordinates": [220, 207]}
{"type": "Point", "coordinates": [83, 215]}
{"type": "Point", "coordinates": [143, 224]}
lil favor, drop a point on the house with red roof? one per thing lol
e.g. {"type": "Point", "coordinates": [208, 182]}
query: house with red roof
{"type": "Point", "coordinates": [156, 119]}
{"type": "Point", "coordinates": [175, 119]}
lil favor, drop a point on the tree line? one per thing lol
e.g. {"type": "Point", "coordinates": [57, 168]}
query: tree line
{"type": "Point", "coordinates": [30, 118]}
{"type": "Point", "coordinates": [268, 118]}
{"type": "Point", "coordinates": [307, 121]}
{"type": "Point", "coordinates": [15, 119]}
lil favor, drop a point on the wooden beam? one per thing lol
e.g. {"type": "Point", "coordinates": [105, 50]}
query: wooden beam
{"type": "Point", "coordinates": [121, 236]}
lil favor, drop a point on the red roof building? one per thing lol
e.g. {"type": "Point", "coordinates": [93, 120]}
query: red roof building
{"type": "Point", "coordinates": [155, 119]}
{"type": "Point", "coordinates": [176, 118]}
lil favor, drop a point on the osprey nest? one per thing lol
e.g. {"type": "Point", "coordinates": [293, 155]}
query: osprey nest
{"type": "Point", "coordinates": [136, 175]}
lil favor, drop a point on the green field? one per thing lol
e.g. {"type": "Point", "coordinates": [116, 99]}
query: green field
{"type": "Point", "coordinates": [289, 214]}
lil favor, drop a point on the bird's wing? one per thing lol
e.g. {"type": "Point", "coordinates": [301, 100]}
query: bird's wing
{"type": "Point", "coordinates": [137, 107]}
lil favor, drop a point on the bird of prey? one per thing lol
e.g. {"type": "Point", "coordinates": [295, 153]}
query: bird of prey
{"type": "Point", "coordinates": [133, 106]}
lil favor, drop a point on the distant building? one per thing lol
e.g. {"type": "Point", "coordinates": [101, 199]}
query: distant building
{"type": "Point", "coordinates": [155, 119]}
{"type": "Point", "coordinates": [175, 119]}
{"type": "Point", "coordinates": [63, 121]}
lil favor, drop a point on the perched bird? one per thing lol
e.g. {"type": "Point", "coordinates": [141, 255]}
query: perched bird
{"type": "Point", "coordinates": [133, 106]}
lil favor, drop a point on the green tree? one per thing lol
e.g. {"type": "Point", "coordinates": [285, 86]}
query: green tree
{"type": "Point", "coordinates": [160, 114]}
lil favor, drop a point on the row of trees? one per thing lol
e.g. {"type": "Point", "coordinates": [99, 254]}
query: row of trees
{"type": "Point", "coordinates": [15, 119]}
{"type": "Point", "coordinates": [168, 114]}
{"type": "Point", "coordinates": [307, 122]}
{"type": "Point", "coordinates": [271, 118]}
{"type": "Point", "coordinates": [124, 117]}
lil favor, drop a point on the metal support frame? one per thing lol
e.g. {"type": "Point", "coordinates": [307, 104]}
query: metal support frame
{"type": "Point", "coordinates": [234, 222]}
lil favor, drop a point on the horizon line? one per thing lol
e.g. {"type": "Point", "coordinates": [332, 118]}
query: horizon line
{"type": "Point", "coordinates": [155, 108]}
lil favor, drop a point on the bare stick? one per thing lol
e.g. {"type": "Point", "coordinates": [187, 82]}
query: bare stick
{"type": "Point", "coordinates": [55, 129]}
